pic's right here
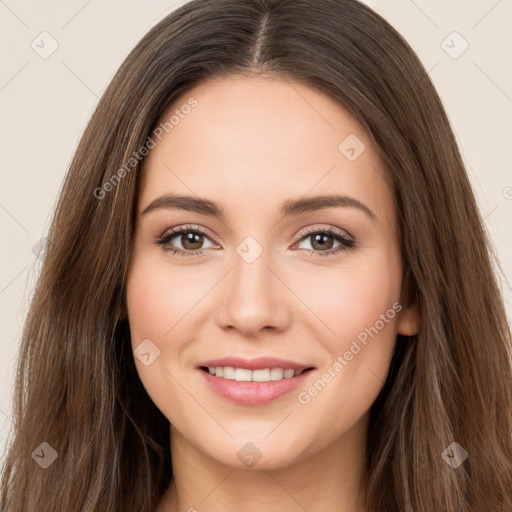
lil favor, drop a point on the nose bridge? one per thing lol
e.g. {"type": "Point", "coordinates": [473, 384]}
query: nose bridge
{"type": "Point", "coordinates": [252, 300]}
{"type": "Point", "coordinates": [252, 278]}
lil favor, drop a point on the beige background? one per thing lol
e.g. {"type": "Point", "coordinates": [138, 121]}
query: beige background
{"type": "Point", "coordinates": [46, 102]}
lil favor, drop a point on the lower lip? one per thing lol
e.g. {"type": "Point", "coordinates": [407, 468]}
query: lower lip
{"type": "Point", "coordinates": [253, 393]}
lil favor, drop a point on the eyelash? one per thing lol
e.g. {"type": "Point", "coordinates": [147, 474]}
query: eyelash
{"type": "Point", "coordinates": [345, 242]}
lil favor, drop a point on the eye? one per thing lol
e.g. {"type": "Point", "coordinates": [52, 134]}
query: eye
{"type": "Point", "coordinates": [323, 241]}
{"type": "Point", "coordinates": [190, 241]}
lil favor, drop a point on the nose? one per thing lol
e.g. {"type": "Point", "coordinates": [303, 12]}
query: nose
{"type": "Point", "coordinates": [254, 298]}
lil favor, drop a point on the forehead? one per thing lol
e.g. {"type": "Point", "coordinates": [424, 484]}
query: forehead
{"type": "Point", "coordinates": [259, 140]}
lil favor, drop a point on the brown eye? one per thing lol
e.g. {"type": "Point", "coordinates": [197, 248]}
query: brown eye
{"type": "Point", "coordinates": [185, 241]}
{"type": "Point", "coordinates": [191, 240]}
{"type": "Point", "coordinates": [322, 242]}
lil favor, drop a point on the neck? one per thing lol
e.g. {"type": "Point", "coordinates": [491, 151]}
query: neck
{"type": "Point", "coordinates": [327, 480]}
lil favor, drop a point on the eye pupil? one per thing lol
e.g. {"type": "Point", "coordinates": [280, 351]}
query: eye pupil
{"type": "Point", "coordinates": [320, 238]}
{"type": "Point", "coordinates": [191, 238]}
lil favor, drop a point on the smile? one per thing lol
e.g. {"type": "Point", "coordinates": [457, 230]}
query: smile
{"type": "Point", "coordinates": [246, 375]}
{"type": "Point", "coordinates": [253, 382]}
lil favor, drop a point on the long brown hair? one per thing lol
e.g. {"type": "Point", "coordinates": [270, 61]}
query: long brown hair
{"type": "Point", "coordinates": [77, 388]}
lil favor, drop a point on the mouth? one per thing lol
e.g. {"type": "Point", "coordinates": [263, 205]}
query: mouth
{"type": "Point", "coordinates": [247, 375]}
{"type": "Point", "coordinates": [253, 382]}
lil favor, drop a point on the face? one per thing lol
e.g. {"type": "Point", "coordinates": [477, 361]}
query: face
{"type": "Point", "coordinates": [252, 275]}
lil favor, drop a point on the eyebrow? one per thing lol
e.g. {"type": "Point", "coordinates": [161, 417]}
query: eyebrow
{"type": "Point", "coordinates": [289, 207]}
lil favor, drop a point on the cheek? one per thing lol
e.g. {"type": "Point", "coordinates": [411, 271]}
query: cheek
{"type": "Point", "coordinates": [362, 301]}
{"type": "Point", "coordinates": [160, 308]}
{"type": "Point", "coordinates": [360, 307]}
{"type": "Point", "coordinates": [159, 300]}
{"type": "Point", "coordinates": [352, 297]}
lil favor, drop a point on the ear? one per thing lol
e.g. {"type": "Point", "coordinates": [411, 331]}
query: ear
{"type": "Point", "coordinates": [409, 320]}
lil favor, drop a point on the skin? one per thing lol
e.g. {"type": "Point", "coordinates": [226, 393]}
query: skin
{"type": "Point", "coordinates": [249, 145]}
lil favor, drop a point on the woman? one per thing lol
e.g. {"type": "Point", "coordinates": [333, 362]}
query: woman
{"type": "Point", "coordinates": [266, 284]}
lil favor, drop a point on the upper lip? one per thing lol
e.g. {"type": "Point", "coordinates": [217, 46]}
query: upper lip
{"type": "Point", "coordinates": [255, 364]}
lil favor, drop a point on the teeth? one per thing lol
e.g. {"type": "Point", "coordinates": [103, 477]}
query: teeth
{"type": "Point", "coordinates": [245, 375]}
{"type": "Point", "coordinates": [242, 375]}
{"type": "Point", "coordinates": [276, 374]}
{"type": "Point", "coordinates": [228, 372]}
{"type": "Point", "coordinates": [261, 375]}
